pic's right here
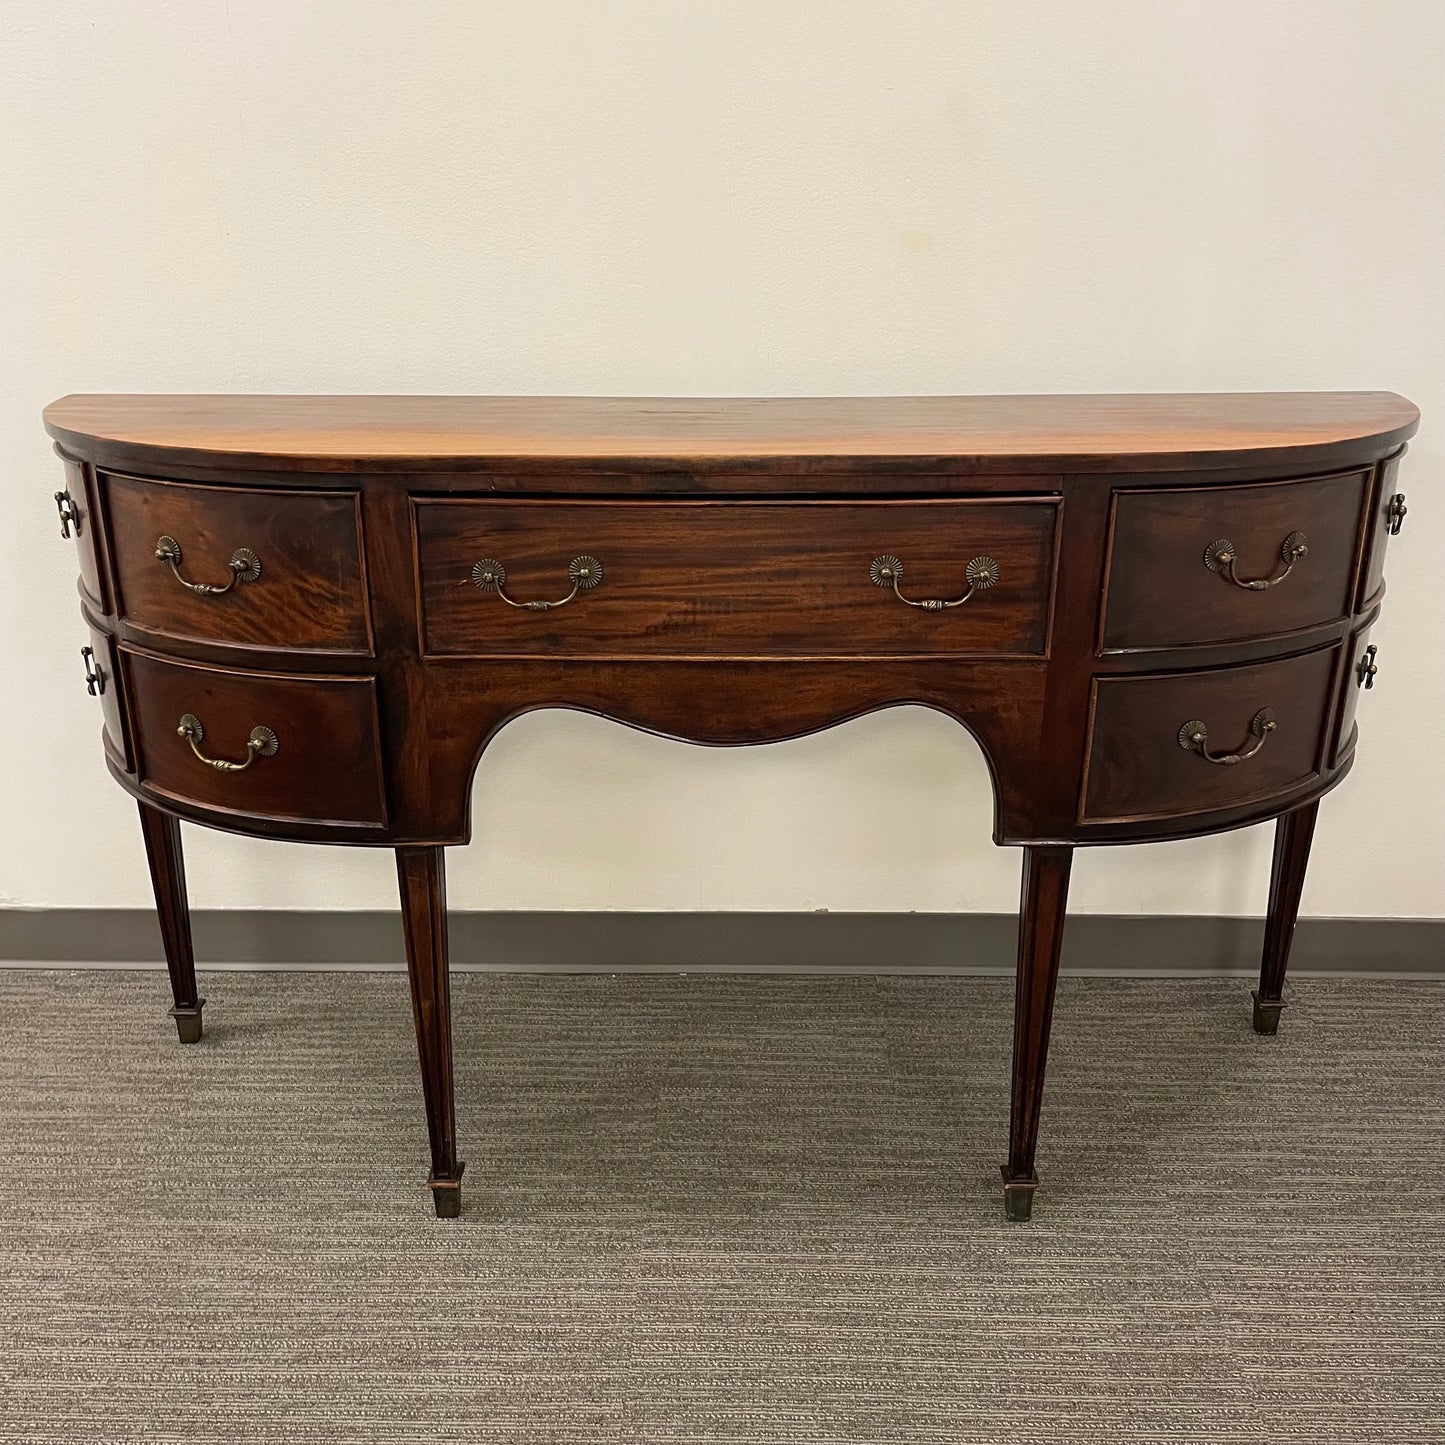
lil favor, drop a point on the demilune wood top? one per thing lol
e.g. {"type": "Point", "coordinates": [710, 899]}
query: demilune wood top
{"type": "Point", "coordinates": [1164, 431]}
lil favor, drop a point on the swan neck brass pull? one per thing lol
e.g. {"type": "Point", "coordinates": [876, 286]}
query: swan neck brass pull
{"type": "Point", "coordinates": [584, 572]}
{"type": "Point", "coordinates": [94, 674]}
{"type": "Point", "coordinates": [1220, 556]}
{"type": "Point", "coordinates": [886, 571]}
{"type": "Point", "coordinates": [1395, 515]}
{"type": "Point", "coordinates": [1366, 670]}
{"type": "Point", "coordinates": [261, 744]}
{"type": "Point", "coordinates": [245, 566]}
{"type": "Point", "coordinates": [70, 514]}
{"type": "Point", "coordinates": [1194, 738]}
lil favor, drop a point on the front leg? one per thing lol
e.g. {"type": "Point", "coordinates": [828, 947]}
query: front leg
{"type": "Point", "coordinates": [1041, 933]}
{"type": "Point", "coordinates": [421, 873]}
{"type": "Point", "coordinates": [1292, 836]}
{"type": "Point", "coordinates": [162, 833]}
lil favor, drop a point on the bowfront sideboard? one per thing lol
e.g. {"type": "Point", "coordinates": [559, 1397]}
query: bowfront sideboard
{"type": "Point", "coordinates": [308, 616]}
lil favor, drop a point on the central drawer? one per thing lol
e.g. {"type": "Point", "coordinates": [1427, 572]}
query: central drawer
{"type": "Point", "coordinates": [735, 578]}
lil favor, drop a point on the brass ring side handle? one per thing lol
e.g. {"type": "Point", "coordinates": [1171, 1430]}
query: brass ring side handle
{"type": "Point", "coordinates": [1221, 555]}
{"type": "Point", "coordinates": [1366, 670]}
{"type": "Point", "coordinates": [584, 572]}
{"type": "Point", "coordinates": [1194, 738]}
{"type": "Point", "coordinates": [262, 743]}
{"type": "Point", "coordinates": [94, 673]}
{"type": "Point", "coordinates": [1395, 514]}
{"type": "Point", "coordinates": [981, 574]}
{"type": "Point", "coordinates": [245, 566]}
{"type": "Point", "coordinates": [70, 513]}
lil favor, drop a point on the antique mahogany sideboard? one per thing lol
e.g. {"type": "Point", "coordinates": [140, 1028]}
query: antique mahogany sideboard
{"type": "Point", "coordinates": [309, 615]}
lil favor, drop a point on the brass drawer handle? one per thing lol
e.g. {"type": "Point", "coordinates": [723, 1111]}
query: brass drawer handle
{"type": "Point", "coordinates": [1395, 515]}
{"type": "Point", "coordinates": [94, 673]}
{"type": "Point", "coordinates": [261, 744]}
{"type": "Point", "coordinates": [245, 566]}
{"type": "Point", "coordinates": [1194, 738]}
{"type": "Point", "coordinates": [1221, 556]}
{"type": "Point", "coordinates": [1365, 671]}
{"type": "Point", "coordinates": [585, 573]}
{"type": "Point", "coordinates": [70, 513]}
{"type": "Point", "coordinates": [982, 573]}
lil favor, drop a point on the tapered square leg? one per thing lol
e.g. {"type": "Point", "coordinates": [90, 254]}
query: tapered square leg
{"type": "Point", "coordinates": [162, 834]}
{"type": "Point", "coordinates": [1041, 935]}
{"type": "Point", "coordinates": [1293, 834]}
{"type": "Point", "coordinates": [421, 873]}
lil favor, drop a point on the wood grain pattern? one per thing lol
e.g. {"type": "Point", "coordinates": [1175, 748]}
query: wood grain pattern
{"type": "Point", "coordinates": [162, 835]}
{"type": "Point", "coordinates": [1292, 837]}
{"type": "Point", "coordinates": [1137, 768]}
{"type": "Point", "coordinates": [735, 608]}
{"type": "Point", "coordinates": [326, 766]}
{"type": "Point", "coordinates": [1351, 693]}
{"type": "Point", "coordinates": [1378, 534]}
{"type": "Point", "coordinates": [354, 433]}
{"type": "Point", "coordinates": [735, 578]}
{"type": "Point", "coordinates": [1161, 593]}
{"type": "Point", "coordinates": [310, 594]}
{"type": "Point", "coordinates": [1042, 912]}
{"type": "Point", "coordinates": [421, 875]}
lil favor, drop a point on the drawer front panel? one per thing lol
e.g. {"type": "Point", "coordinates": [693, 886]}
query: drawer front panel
{"type": "Point", "coordinates": [1384, 519]}
{"type": "Point", "coordinates": [1162, 593]}
{"type": "Point", "coordinates": [741, 578]}
{"type": "Point", "coordinates": [79, 509]}
{"type": "Point", "coordinates": [105, 682]}
{"type": "Point", "coordinates": [1359, 661]}
{"type": "Point", "coordinates": [1140, 767]}
{"type": "Point", "coordinates": [308, 593]}
{"type": "Point", "coordinates": [326, 763]}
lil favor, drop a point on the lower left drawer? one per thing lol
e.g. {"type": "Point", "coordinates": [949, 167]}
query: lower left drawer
{"type": "Point", "coordinates": [262, 744]}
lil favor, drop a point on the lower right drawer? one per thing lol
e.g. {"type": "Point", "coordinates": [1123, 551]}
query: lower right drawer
{"type": "Point", "coordinates": [1170, 745]}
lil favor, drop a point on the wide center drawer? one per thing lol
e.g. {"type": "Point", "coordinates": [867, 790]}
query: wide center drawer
{"type": "Point", "coordinates": [244, 566]}
{"type": "Point", "coordinates": [735, 578]}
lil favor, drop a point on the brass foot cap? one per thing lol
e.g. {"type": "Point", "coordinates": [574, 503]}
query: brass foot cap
{"type": "Point", "coordinates": [1266, 1013]}
{"type": "Point", "coordinates": [188, 1021]}
{"type": "Point", "coordinates": [446, 1195]}
{"type": "Point", "coordinates": [1018, 1195]}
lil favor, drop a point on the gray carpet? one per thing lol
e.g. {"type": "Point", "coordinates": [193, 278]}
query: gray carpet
{"type": "Point", "coordinates": [711, 1208]}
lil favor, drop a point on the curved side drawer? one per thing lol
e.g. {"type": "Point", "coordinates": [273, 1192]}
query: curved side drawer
{"type": "Point", "coordinates": [1163, 594]}
{"type": "Point", "coordinates": [326, 766]}
{"type": "Point", "coordinates": [103, 682]}
{"type": "Point", "coordinates": [1139, 766]}
{"type": "Point", "coordinates": [308, 593]}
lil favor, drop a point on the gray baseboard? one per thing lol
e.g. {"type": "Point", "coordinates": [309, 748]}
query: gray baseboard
{"type": "Point", "coordinates": [973, 943]}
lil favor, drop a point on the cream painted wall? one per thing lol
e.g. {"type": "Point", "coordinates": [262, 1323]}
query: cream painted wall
{"type": "Point", "coordinates": [705, 197]}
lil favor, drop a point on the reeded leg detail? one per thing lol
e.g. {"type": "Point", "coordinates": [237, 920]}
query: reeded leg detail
{"type": "Point", "coordinates": [1041, 934]}
{"type": "Point", "coordinates": [162, 834]}
{"type": "Point", "coordinates": [421, 873]}
{"type": "Point", "coordinates": [1292, 836]}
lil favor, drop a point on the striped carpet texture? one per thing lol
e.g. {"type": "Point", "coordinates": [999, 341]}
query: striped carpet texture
{"type": "Point", "coordinates": [726, 1209]}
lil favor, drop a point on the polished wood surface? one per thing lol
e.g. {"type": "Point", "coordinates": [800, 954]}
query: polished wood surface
{"type": "Point", "coordinates": [162, 835]}
{"type": "Point", "coordinates": [421, 874]}
{"type": "Point", "coordinates": [1292, 837]}
{"type": "Point", "coordinates": [735, 578]}
{"type": "Point", "coordinates": [734, 539]}
{"type": "Point", "coordinates": [356, 433]}
{"type": "Point", "coordinates": [311, 591]}
{"type": "Point", "coordinates": [1162, 592]}
{"type": "Point", "coordinates": [326, 767]}
{"type": "Point", "coordinates": [1138, 769]}
{"type": "Point", "coordinates": [1042, 911]}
